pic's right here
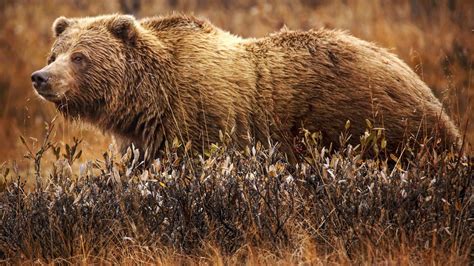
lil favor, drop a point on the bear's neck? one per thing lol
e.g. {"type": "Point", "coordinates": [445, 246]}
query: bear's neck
{"type": "Point", "coordinates": [140, 115]}
{"type": "Point", "coordinates": [76, 108]}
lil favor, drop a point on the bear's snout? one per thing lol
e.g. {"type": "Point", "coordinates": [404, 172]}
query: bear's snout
{"type": "Point", "coordinates": [40, 79]}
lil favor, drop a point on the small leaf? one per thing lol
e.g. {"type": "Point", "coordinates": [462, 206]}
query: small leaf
{"type": "Point", "coordinates": [23, 140]}
{"type": "Point", "coordinates": [78, 155]}
{"type": "Point", "coordinates": [348, 124]}
{"type": "Point", "coordinates": [384, 144]}
{"type": "Point", "coordinates": [393, 157]}
{"type": "Point", "coordinates": [221, 136]}
{"type": "Point", "coordinates": [57, 151]}
{"type": "Point", "coordinates": [258, 146]}
{"type": "Point", "coordinates": [188, 146]}
{"type": "Point", "coordinates": [247, 151]}
{"type": "Point", "coordinates": [369, 124]}
{"type": "Point", "coordinates": [376, 148]}
{"type": "Point", "coordinates": [175, 142]}
{"type": "Point", "coordinates": [68, 150]}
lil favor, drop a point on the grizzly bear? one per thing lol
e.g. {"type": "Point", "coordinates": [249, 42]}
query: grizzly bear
{"type": "Point", "coordinates": [152, 80]}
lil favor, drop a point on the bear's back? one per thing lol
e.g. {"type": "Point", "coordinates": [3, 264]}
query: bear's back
{"type": "Point", "coordinates": [176, 22]}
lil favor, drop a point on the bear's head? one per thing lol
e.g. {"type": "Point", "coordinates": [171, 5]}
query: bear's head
{"type": "Point", "coordinates": [88, 63]}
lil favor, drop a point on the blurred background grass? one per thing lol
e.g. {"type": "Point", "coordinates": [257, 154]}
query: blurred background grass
{"type": "Point", "coordinates": [435, 37]}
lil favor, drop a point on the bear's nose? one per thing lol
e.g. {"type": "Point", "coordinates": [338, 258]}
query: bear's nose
{"type": "Point", "coordinates": [39, 79]}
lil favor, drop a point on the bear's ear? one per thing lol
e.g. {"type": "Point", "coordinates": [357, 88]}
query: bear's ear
{"type": "Point", "coordinates": [124, 28]}
{"type": "Point", "coordinates": [60, 25]}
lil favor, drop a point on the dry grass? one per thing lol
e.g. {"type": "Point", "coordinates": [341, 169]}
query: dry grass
{"type": "Point", "coordinates": [233, 206]}
{"type": "Point", "coordinates": [238, 206]}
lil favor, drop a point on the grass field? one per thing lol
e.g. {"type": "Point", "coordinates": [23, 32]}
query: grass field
{"type": "Point", "coordinates": [233, 206]}
{"type": "Point", "coordinates": [67, 201]}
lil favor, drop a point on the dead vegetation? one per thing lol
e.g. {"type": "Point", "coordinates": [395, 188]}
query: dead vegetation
{"type": "Point", "coordinates": [332, 206]}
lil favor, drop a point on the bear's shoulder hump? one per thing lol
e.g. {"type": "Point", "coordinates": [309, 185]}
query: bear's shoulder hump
{"type": "Point", "coordinates": [176, 22]}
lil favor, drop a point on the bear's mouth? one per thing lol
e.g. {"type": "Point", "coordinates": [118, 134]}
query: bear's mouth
{"type": "Point", "coordinates": [48, 95]}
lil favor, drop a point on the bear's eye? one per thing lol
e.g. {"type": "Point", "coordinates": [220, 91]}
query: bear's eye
{"type": "Point", "coordinates": [77, 57]}
{"type": "Point", "coordinates": [51, 59]}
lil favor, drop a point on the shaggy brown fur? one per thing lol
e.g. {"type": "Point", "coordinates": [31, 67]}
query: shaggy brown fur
{"type": "Point", "coordinates": [158, 78]}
